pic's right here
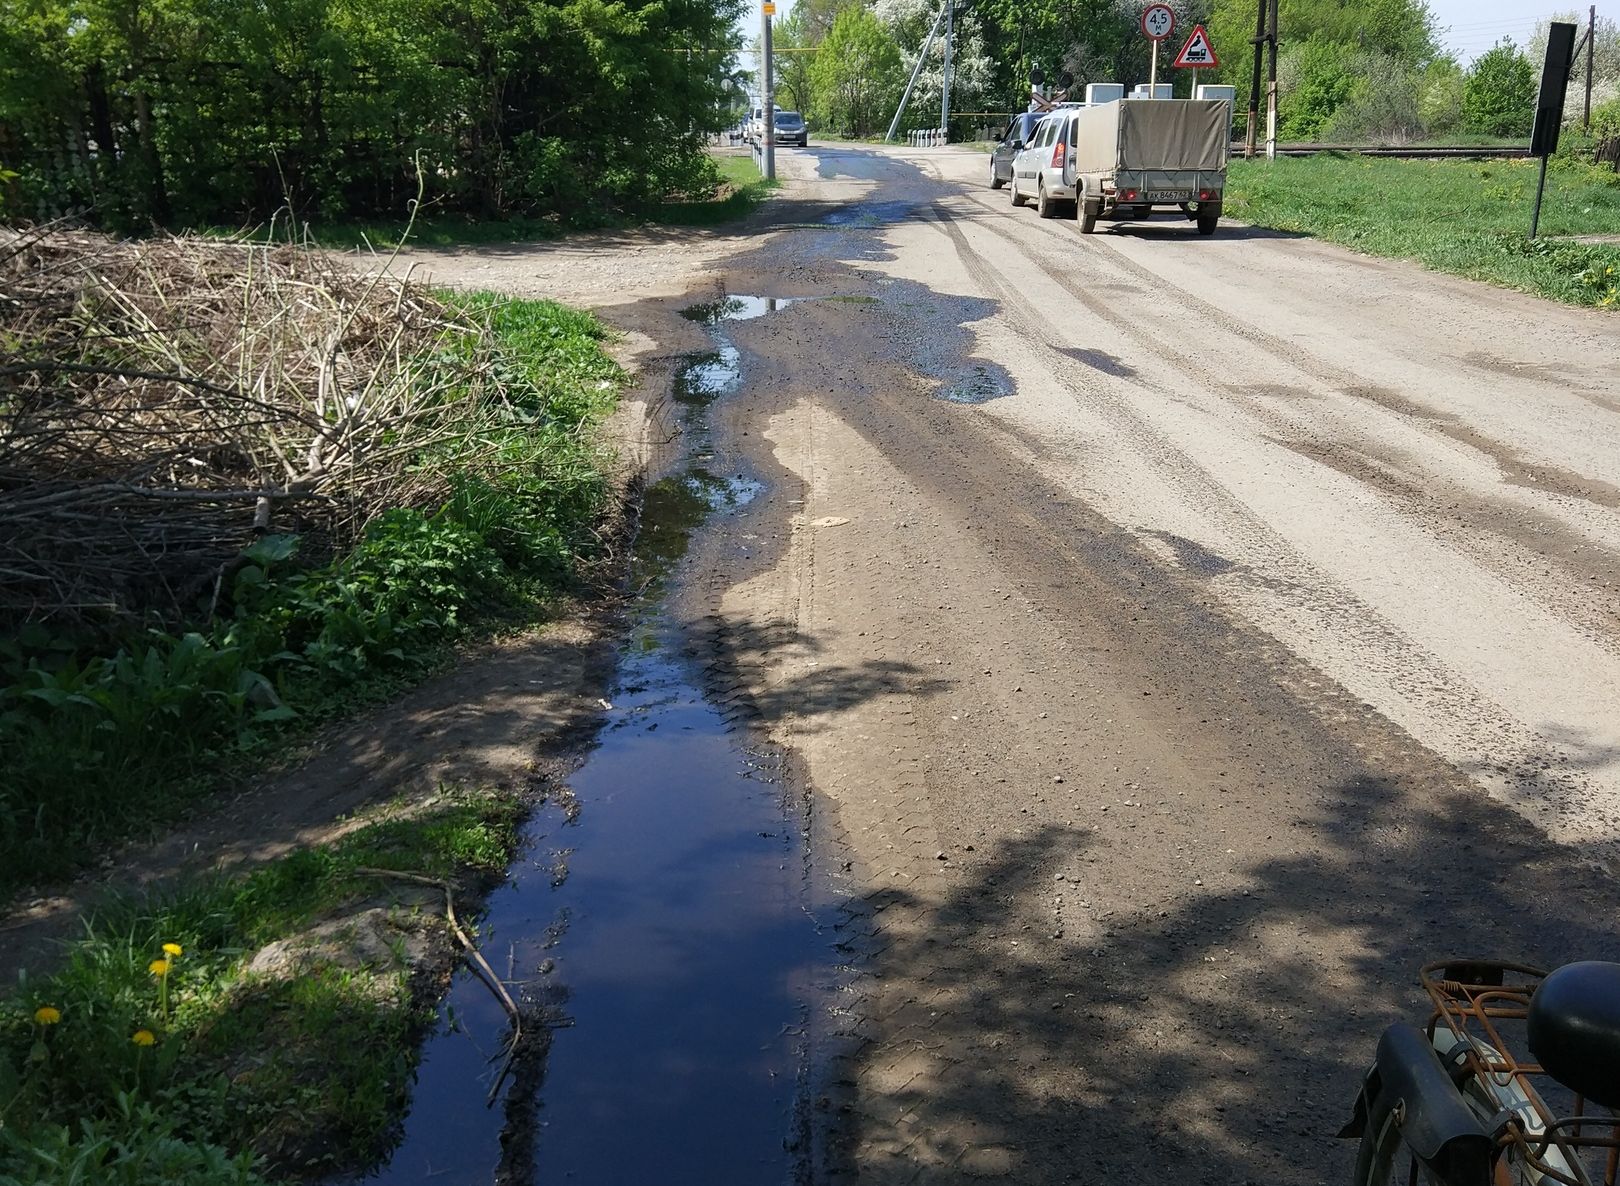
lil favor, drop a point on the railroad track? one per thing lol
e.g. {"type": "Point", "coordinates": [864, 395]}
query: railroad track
{"type": "Point", "coordinates": [1465, 153]}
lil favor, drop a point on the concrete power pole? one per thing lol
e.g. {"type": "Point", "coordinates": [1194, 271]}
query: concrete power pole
{"type": "Point", "coordinates": [767, 101]}
{"type": "Point", "coordinates": [1253, 133]}
{"type": "Point", "coordinates": [1271, 87]}
{"type": "Point", "coordinates": [945, 73]}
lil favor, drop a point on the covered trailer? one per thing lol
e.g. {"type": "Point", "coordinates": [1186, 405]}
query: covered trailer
{"type": "Point", "coordinates": [1132, 156]}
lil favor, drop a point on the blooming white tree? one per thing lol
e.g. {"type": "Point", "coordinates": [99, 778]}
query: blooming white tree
{"type": "Point", "coordinates": [908, 22]}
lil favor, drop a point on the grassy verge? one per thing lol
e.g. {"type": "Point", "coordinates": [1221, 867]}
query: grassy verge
{"type": "Point", "coordinates": [108, 739]}
{"type": "Point", "coordinates": [164, 1051]}
{"type": "Point", "coordinates": [741, 190]}
{"type": "Point", "coordinates": [1465, 217]}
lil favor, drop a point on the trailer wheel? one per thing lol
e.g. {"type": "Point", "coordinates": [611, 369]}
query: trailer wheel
{"type": "Point", "coordinates": [1044, 206]}
{"type": "Point", "coordinates": [1207, 222]}
{"type": "Point", "coordinates": [1088, 212]}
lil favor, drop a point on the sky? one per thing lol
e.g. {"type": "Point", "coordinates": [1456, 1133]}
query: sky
{"type": "Point", "coordinates": [1470, 27]}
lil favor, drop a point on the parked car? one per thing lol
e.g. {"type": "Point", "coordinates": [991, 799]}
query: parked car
{"type": "Point", "coordinates": [790, 129]}
{"type": "Point", "coordinates": [1043, 168]}
{"type": "Point", "coordinates": [1019, 133]}
{"type": "Point", "coordinates": [754, 129]}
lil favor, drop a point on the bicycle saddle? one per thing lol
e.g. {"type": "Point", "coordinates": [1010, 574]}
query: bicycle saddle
{"type": "Point", "coordinates": [1574, 1029]}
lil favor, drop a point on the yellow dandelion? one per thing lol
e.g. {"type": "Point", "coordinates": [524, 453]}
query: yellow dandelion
{"type": "Point", "coordinates": [143, 1037]}
{"type": "Point", "coordinates": [158, 967]}
{"type": "Point", "coordinates": [173, 949]}
{"type": "Point", "coordinates": [47, 1015]}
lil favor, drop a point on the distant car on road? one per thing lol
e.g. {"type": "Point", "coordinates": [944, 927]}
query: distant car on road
{"type": "Point", "coordinates": [1019, 133]}
{"type": "Point", "coordinates": [790, 129]}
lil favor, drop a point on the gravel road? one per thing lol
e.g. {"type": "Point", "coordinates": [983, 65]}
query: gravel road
{"type": "Point", "coordinates": [1180, 640]}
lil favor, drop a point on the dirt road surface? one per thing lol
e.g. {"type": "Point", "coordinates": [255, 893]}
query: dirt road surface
{"type": "Point", "coordinates": [1180, 638]}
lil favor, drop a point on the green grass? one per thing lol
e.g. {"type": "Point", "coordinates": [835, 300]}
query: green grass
{"type": "Point", "coordinates": [742, 189]}
{"type": "Point", "coordinates": [245, 1072]}
{"type": "Point", "coordinates": [1470, 218]}
{"type": "Point", "coordinates": [110, 739]}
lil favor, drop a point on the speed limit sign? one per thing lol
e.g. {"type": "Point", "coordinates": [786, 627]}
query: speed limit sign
{"type": "Point", "coordinates": [1158, 22]}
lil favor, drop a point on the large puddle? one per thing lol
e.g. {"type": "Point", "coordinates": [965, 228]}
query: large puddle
{"type": "Point", "coordinates": [656, 925]}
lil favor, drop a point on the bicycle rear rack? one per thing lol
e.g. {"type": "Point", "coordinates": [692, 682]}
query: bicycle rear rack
{"type": "Point", "coordinates": [1475, 1000]}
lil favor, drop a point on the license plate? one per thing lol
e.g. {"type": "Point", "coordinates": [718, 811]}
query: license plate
{"type": "Point", "coordinates": [1169, 195]}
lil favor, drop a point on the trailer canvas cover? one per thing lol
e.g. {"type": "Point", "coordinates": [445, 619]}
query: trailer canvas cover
{"type": "Point", "coordinates": [1166, 134]}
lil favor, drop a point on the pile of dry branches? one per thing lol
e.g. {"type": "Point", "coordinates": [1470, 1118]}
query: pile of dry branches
{"type": "Point", "coordinates": [163, 402]}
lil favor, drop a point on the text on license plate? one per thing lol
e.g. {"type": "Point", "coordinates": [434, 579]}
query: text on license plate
{"type": "Point", "coordinates": [1169, 195]}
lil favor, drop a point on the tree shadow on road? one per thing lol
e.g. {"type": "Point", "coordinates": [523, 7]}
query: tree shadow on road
{"type": "Point", "coordinates": [1216, 1038]}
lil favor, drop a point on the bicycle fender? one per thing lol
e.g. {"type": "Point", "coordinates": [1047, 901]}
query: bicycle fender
{"type": "Point", "coordinates": [1435, 1121]}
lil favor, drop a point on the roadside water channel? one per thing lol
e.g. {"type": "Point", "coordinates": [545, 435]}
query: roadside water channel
{"type": "Point", "coordinates": [655, 931]}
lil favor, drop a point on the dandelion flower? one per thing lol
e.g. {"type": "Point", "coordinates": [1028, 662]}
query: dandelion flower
{"type": "Point", "coordinates": [173, 949]}
{"type": "Point", "coordinates": [158, 967]}
{"type": "Point", "coordinates": [47, 1015]}
{"type": "Point", "coordinates": [143, 1037]}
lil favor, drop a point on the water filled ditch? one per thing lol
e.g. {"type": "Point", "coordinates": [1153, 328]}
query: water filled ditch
{"type": "Point", "coordinates": [655, 930]}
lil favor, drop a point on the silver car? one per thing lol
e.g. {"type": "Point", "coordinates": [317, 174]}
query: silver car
{"type": "Point", "coordinates": [1044, 170]}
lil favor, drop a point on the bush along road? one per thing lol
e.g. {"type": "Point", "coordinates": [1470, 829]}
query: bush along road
{"type": "Point", "coordinates": [247, 491]}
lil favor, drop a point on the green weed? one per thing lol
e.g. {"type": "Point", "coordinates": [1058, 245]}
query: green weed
{"type": "Point", "coordinates": [1466, 217]}
{"type": "Point", "coordinates": [153, 1051]}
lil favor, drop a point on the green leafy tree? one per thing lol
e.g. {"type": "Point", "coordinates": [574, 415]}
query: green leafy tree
{"type": "Point", "coordinates": [1440, 97]}
{"type": "Point", "coordinates": [1499, 94]}
{"type": "Point", "coordinates": [792, 69]}
{"type": "Point", "coordinates": [1314, 79]}
{"type": "Point", "coordinates": [186, 112]}
{"type": "Point", "coordinates": [857, 75]}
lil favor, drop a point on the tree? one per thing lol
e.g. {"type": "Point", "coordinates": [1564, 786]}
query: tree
{"type": "Point", "coordinates": [792, 70]}
{"type": "Point", "coordinates": [1605, 61]}
{"type": "Point", "coordinates": [1314, 78]}
{"type": "Point", "coordinates": [857, 76]}
{"type": "Point", "coordinates": [1440, 97]}
{"type": "Point", "coordinates": [1499, 94]}
{"type": "Point", "coordinates": [972, 71]}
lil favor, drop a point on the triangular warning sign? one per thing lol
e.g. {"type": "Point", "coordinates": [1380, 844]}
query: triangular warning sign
{"type": "Point", "coordinates": [1198, 53]}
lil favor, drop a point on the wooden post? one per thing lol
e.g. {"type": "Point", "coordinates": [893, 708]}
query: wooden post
{"type": "Point", "coordinates": [1591, 36]}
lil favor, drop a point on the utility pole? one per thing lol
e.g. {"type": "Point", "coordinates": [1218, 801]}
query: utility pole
{"type": "Point", "coordinates": [1254, 85]}
{"type": "Point", "coordinates": [1271, 87]}
{"type": "Point", "coordinates": [767, 100]}
{"type": "Point", "coordinates": [894, 124]}
{"type": "Point", "coordinates": [1591, 36]}
{"type": "Point", "coordinates": [945, 73]}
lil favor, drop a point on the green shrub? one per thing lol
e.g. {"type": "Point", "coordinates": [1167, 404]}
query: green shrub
{"type": "Point", "coordinates": [1499, 94]}
{"type": "Point", "coordinates": [1606, 120]}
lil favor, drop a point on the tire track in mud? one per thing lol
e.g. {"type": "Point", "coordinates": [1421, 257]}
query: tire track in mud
{"type": "Point", "coordinates": [1588, 594]}
{"type": "Point", "coordinates": [1514, 466]}
{"type": "Point", "coordinates": [1289, 593]}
